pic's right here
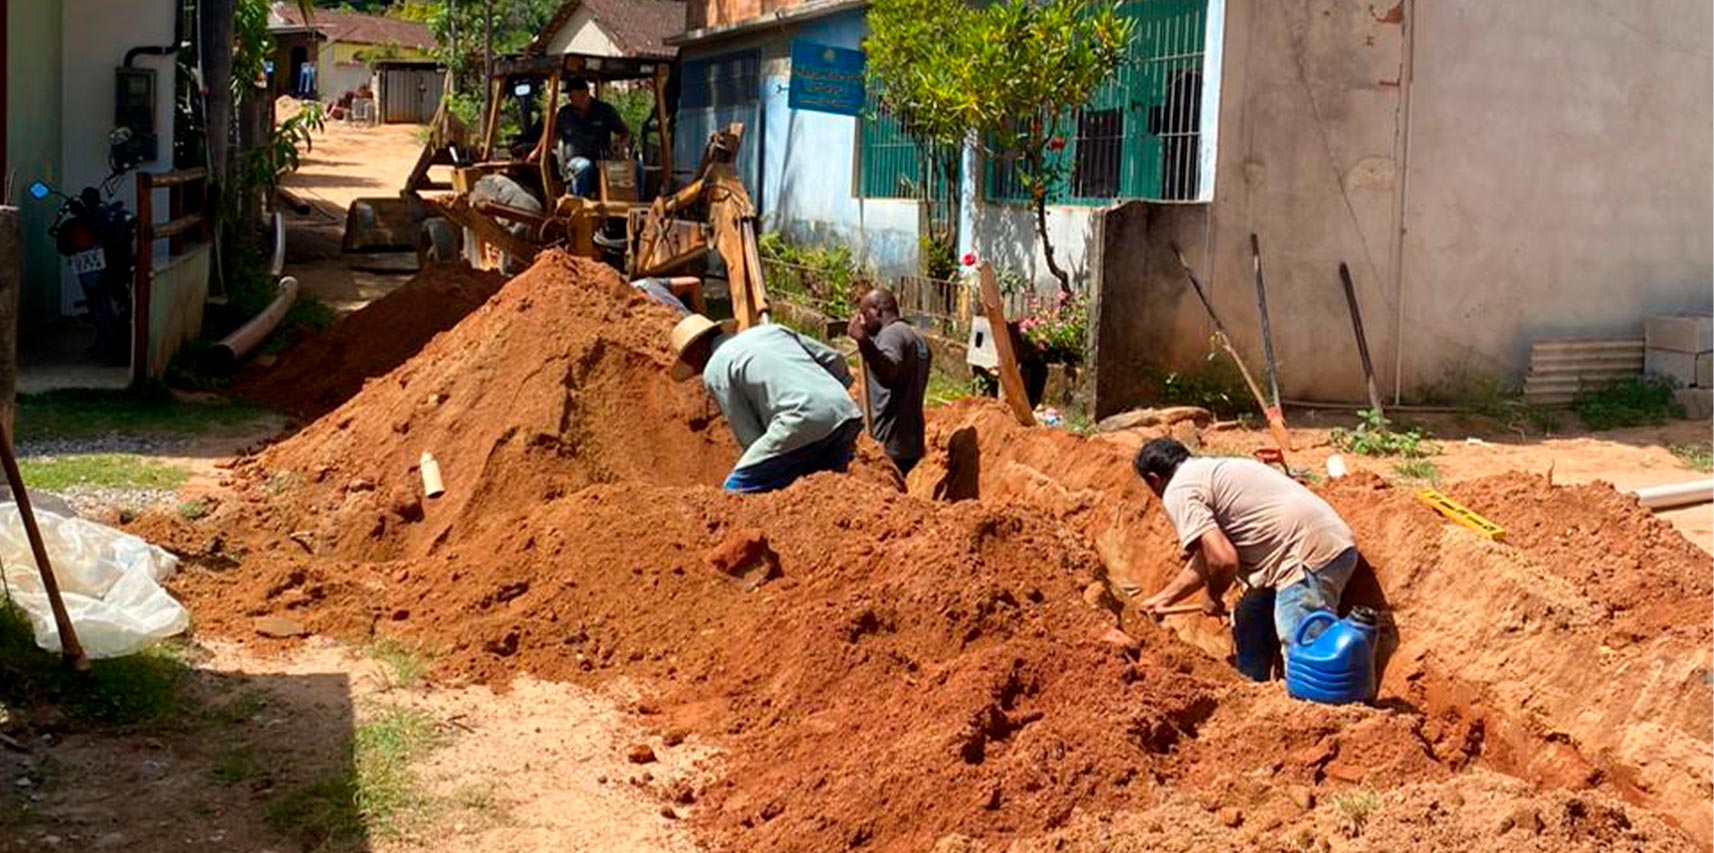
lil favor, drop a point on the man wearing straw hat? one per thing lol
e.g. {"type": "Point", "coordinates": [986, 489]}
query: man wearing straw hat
{"type": "Point", "coordinates": [783, 394]}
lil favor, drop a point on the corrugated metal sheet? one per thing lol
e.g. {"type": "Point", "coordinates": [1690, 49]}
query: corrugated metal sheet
{"type": "Point", "coordinates": [409, 95]}
{"type": "Point", "coordinates": [1561, 368]}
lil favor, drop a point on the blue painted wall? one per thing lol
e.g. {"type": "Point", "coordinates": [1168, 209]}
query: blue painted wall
{"type": "Point", "coordinates": [804, 177]}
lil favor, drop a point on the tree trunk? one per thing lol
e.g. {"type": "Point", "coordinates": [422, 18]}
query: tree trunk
{"type": "Point", "coordinates": [216, 39]}
{"type": "Point", "coordinates": [1038, 200]}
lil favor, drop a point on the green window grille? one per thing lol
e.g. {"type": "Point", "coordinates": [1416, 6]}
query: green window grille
{"type": "Point", "coordinates": [1139, 134]}
{"type": "Point", "coordinates": [894, 164]}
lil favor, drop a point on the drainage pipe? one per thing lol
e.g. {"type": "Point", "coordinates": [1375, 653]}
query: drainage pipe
{"type": "Point", "coordinates": [237, 345]}
{"type": "Point", "coordinates": [278, 264]}
{"type": "Point", "coordinates": [1676, 494]}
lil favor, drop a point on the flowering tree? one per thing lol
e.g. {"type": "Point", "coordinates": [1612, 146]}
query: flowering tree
{"type": "Point", "coordinates": [1006, 74]}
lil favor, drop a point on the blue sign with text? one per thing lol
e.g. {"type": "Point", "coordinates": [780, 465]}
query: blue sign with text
{"type": "Point", "coordinates": [826, 79]}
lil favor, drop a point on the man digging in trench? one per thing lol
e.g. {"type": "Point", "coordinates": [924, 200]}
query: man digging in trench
{"type": "Point", "coordinates": [1240, 519]}
{"type": "Point", "coordinates": [783, 394]}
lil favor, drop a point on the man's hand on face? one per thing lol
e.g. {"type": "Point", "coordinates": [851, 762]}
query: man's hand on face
{"type": "Point", "coordinates": [856, 329]}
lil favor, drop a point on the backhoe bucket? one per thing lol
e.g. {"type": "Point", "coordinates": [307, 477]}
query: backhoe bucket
{"type": "Point", "coordinates": [383, 224]}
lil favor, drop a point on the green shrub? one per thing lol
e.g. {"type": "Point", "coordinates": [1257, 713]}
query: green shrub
{"type": "Point", "coordinates": [1376, 436]}
{"type": "Point", "coordinates": [1636, 401]}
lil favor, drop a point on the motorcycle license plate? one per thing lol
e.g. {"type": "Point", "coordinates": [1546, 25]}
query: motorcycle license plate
{"type": "Point", "coordinates": [94, 260]}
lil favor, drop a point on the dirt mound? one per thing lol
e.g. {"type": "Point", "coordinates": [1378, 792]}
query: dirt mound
{"type": "Point", "coordinates": [894, 672]}
{"type": "Point", "coordinates": [1576, 654]}
{"type": "Point", "coordinates": [1609, 546]}
{"type": "Point", "coordinates": [556, 383]}
{"type": "Point", "coordinates": [1477, 810]}
{"type": "Point", "coordinates": [327, 369]}
{"type": "Point", "coordinates": [900, 672]}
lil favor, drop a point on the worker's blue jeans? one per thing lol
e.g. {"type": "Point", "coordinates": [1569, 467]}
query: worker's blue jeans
{"type": "Point", "coordinates": [832, 453]}
{"type": "Point", "coordinates": [580, 177]}
{"type": "Point", "coordinates": [1266, 619]}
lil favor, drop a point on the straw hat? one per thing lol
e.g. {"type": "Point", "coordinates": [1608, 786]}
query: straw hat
{"type": "Point", "coordinates": [688, 331]}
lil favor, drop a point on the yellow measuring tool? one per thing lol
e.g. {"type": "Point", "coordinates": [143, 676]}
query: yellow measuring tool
{"type": "Point", "coordinates": [1461, 514]}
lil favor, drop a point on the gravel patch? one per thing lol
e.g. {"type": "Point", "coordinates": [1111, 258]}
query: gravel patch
{"type": "Point", "coordinates": [93, 501]}
{"type": "Point", "coordinates": [141, 445]}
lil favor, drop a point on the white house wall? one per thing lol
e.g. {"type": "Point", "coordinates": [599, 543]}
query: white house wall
{"type": "Point", "coordinates": [581, 34]}
{"type": "Point", "coordinates": [97, 34]}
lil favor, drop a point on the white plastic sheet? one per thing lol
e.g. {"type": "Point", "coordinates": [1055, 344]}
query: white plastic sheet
{"type": "Point", "coordinates": [110, 582]}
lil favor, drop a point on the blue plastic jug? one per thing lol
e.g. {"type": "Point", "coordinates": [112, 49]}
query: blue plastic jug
{"type": "Point", "coordinates": [1338, 666]}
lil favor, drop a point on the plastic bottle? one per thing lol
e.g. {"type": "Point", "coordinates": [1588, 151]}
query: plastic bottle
{"type": "Point", "coordinates": [1337, 666]}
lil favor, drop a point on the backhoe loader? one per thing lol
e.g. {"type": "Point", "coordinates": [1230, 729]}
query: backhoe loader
{"type": "Point", "coordinates": [508, 199]}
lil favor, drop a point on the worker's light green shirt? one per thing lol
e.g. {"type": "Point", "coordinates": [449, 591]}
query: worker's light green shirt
{"type": "Point", "coordinates": [779, 390]}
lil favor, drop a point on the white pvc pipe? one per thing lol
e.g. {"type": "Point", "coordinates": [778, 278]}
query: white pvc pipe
{"type": "Point", "coordinates": [1676, 494]}
{"type": "Point", "coordinates": [239, 344]}
{"type": "Point", "coordinates": [279, 262]}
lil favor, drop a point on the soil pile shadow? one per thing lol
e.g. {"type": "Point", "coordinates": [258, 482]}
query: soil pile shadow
{"type": "Point", "coordinates": [329, 368]}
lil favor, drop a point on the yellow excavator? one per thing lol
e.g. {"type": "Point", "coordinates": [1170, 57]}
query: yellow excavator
{"type": "Point", "coordinates": [508, 199]}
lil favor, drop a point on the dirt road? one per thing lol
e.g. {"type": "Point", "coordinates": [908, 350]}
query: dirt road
{"type": "Point", "coordinates": [347, 162]}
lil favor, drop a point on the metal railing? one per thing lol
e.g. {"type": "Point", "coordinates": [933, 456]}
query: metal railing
{"type": "Point", "coordinates": [187, 225]}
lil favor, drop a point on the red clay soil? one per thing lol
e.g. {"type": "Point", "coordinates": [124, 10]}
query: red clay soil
{"type": "Point", "coordinates": [1574, 655]}
{"type": "Point", "coordinates": [557, 383]}
{"type": "Point", "coordinates": [327, 369]}
{"type": "Point", "coordinates": [897, 672]}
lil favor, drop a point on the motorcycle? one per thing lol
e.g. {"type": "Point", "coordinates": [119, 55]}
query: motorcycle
{"type": "Point", "coordinates": [98, 236]}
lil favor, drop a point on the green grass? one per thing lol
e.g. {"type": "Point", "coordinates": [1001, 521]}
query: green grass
{"type": "Point", "coordinates": [1417, 469]}
{"type": "Point", "coordinates": [138, 690]}
{"type": "Point", "coordinates": [306, 317]}
{"type": "Point", "coordinates": [87, 413]}
{"type": "Point", "coordinates": [407, 665]}
{"type": "Point", "coordinates": [1698, 457]}
{"type": "Point", "coordinates": [944, 388]}
{"type": "Point", "coordinates": [1637, 401]}
{"type": "Point", "coordinates": [102, 470]}
{"type": "Point", "coordinates": [380, 796]}
{"type": "Point", "coordinates": [192, 510]}
{"type": "Point", "coordinates": [1375, 435]}
{"type": "Point", "coordinates": [1356, 807]}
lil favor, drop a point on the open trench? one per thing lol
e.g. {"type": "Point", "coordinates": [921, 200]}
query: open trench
{"type": "Point", "coordinates": [925, 667]}
{"type": "Point", "coordinates": [1512, 660]}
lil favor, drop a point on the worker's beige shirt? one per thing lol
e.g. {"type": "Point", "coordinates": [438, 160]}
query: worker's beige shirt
{"type": "Point", "coordinates": [1279, 527]}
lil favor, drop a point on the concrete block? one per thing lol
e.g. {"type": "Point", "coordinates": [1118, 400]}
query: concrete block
{"type": "Point", "coordinates": [1698, 403]}
{"type": "Point", "coordinates": [1691, 333]}
{"type": "Point", "coordinates": [1680, 367]}
{"type": "Point", "coordinates": [1705, 370]}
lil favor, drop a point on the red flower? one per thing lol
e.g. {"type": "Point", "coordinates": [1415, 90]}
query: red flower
{"type": "Point", "coordinates": [969, 259]}
{"type": "Point", "coordinates": [1056, 144]}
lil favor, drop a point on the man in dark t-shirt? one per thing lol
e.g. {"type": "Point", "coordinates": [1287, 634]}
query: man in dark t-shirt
{"type": "Point", "coordinates": [896, 376]}
{"type": "Point", "coordinates": [586, 130]}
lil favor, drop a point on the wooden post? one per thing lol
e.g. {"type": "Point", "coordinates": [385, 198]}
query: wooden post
{"type": "Point", "coordinates": [11, 281]}
{"type": "Point", "coordinates": [140, 286]}
{"type": "Point", "coordinates": [69, 646]}
{"type": "Point", "coordinates": [1011, 381]}
{"type": "Point", "coordinates": [665, 138]}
